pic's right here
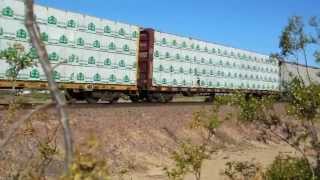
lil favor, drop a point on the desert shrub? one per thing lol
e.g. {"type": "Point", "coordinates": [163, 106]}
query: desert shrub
{"type": "Point", "coordinates": [87, 164]}
{"type": "Point", "coordinates": [206, 120]}
{"type": "Point", "coordinates": [252, 108]}
{"type": "Point", "coordinates": [304, 100]}
{"type": "Point", "coordinates": [188, 159]}
{"type": "Point", "coordinates": [286, 167]}
{"type": "Point", "coordinates": [236, 170]}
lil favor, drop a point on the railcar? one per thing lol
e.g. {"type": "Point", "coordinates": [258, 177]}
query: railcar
{"type": "Point", "coordinates": [291, 69]}
{"type": "Point", "coordinates": [97, 57]}
{"type": "Point", "coordinates": [102, 59]}
{"type": "Point", "coordinates": [170, 64]}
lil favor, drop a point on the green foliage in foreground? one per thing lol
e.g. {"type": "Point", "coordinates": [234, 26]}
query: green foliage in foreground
{"type": "Point", "coordinates": [304, 100]}
{"type": "Point", "coordinates": [188, 159]}
{"type": "Point", "coordinates": [241, 170]}
{"type": "Point", "coordinates": [87, 164]}
{"type": "Point", "coordinates": [286, 167]}
{"type": "Point", "coordinates": [17, 59]}
{"type": "Point", "coordinates": [251, 108]}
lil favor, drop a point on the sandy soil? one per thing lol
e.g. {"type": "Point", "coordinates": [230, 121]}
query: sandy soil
{"type": "Point", "coordinates": [140, 139]}
{"type": "Point", "coordinates": [261, 154]}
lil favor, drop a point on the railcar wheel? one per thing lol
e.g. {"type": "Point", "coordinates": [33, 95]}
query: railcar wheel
{"type": "Point", "coordinates": [152, 99]}
{"type": "Point", "coordinates": [114, 100]}
{"type": "Point", "coordinates": [210, 98]}
{"type": "Point", "coordinates": [169, 97]}
{"type": "Point", "coordinates": [134, 99]}
{"type": "Point", "coordinates": [92, 100]}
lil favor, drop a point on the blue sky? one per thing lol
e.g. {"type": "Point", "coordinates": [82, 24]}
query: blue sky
{"type": "Point", "coordinates": [248, 24]}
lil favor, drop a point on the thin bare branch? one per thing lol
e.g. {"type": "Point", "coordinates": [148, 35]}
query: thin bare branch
{"type": "Point", "coordinates": [35, 37]}
{"type": "Point", "coordinates": [20, 122]}
{"type": "Point", "coordinates": [58, 64]}
{"type": "Point", "coordinates": [306, 63]}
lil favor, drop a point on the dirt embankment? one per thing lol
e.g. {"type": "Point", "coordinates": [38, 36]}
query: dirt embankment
{"type": "Point", "coordinates": [140, 139]}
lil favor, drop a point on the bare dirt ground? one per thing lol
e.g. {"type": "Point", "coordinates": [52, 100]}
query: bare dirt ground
{"type": "Point", "coordinates": [140, 139]}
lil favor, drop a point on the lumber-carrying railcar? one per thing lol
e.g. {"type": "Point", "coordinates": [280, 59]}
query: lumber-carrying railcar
{"type": "Point", "coordinates": [102, 59]}
{"type": "Point", "coordinates": [170, 64]}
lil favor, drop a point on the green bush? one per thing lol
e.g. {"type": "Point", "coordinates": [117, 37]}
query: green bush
{"type": "Point", "coordinates": [246, 170]}
{"type": "Point", "coordinates": [286, 167]}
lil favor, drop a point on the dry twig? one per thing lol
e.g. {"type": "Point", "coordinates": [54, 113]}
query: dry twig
{"type": "Point", "coordinates": [57, 97]}
{"type": "Point", "coordinates": [20, 122]}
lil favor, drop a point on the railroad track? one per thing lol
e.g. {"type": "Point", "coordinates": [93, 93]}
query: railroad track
{"type": "Point", "coordinates": [114, 105]}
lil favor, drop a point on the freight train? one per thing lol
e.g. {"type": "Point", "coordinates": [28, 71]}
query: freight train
{"type": "Point", "coordinates": [99, 59]}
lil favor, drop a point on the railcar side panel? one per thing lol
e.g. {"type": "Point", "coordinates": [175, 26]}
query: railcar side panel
{"type": "Point", "coordinates": [186, 63]}
{"type": "Point", "coordinates": [289, 70]}
{"type": "Point", "coordinates": [91, 50]}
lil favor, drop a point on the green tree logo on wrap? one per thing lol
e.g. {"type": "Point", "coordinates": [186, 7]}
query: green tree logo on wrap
{"type": "Point", "coordinates": [122, 63]}
{"type": "Point", "coordinates": [71, 23]}
{"type": "Point", "coordinates": [171, 69]}
{"type": "Point", "coordinates": [112, 78]}
{"type": "Point", "coordinates": [175, 82]}
{"type": "Point", "coordinates": [53, 56]}
{"type": "Point", "coordinates": [126, 48]}
{"type": "Point", "coordinates": [167, 55]}
{"type": "Point", "coordinates": [73, 58]}
{"type": "Point", "coordinates": [97, 77]}
{"type": "Point", "coordinates": [33, 53]}
{"type": "Point", "coordinates": [107, 29]}
{"type": "Point", "coordinates": [177, 56]}
{"type": "Point", "coordinates": [174, 42]}
{"type": "Point", "coordinates": [126, 78]}
{"type": "Point", "coordinates": [107, 62]}
{"type": "Point", "coordinates": [56, 75]}
{"type": "Point", "coordinates": [122, 32]}
{"type": "Point", "coordinates": [135, 34]}
{"type": "Point", "coordinates": [21, 33]}
{"type": "Point", "coordinates": [96, 44]}
{"type": "Point", "coordinates": [52, 20]}
{"type": "Point", "coordinates": [7, 11]}
{"type": "Point", "coordinates": [80, 42]}
{"type": "Point", "coordinates": [63, 39]}
{"type": "Point", "coordinates": [91, 60]}
{"type": "Point", "coordinates": [181, 70]}
{"type": "Point", "coordinates": [80, 76]}
{"type": "Point", "coordinates": [184, 82]}
{"type": "Point", "coordinates": [164, 41]}
{"type": "Point", "coordinates": [91, 27]}
{"type": "Point", "coordinates": [44, 37]}
{"type": "Point", "coordinates": [34, 74]}
{"type": "Point", "coordinates": [184, 44]}
{"type": "Point", "coordinates": [157, 54]}
{"type": "Point", "coordinates": [112, 46]}
{"type": "Point", "coordinates": [161, 68]}
{"type": "Point", "coordinates": [164, 81]}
